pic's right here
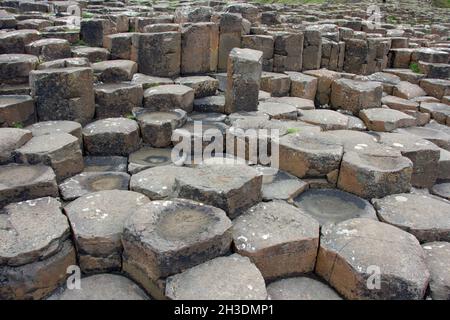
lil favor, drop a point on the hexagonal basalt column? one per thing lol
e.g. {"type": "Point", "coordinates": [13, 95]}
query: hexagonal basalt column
{"type": "Point", "coordinates": [166, 237]}
{"type": "Point", "coordinates": [345, 262]}
{"type": "Point", "coordinates": [97, 221]}
{"type": "Point", "coordinates": [279, 238]}
{"type": "Point", "coordinates": [232, 188]}
{"type": "Point", "coordinates": [223, 278]}
{"type": "Point", "coordinates": [63, 94]}
{"type": "Point", "coordinates": [61, 151]}
{"type": "Point", "coordinates": [111, 136]}
{"type": "Point", "coordinates": [35, 250]}
{"type": "Point", "coordinates": [373, 176]}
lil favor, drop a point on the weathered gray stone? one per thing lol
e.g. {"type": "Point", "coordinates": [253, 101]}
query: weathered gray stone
{"type": "Point", "coordinates": [97, 221]}
{"type": "Point", "coordinates": [111, 136]}
{"type": "Point", "coordinates": [163, 238]}
{"type": "Point", "coordinates": [424, 216]}
{"type": "Point", "coordinates": [333, 206]}
{"type": "Point", "coordinates": [301, 288]}
{"type": "Point", "coordinates": [87, 182]}
{"type": "Point", "coordinates": [223, 278]}
{"type": "Point", "coordinates": [279, 238]}
{"type": "Point", "coordinates": [437, 257]}
{"type": "Point", "coordinates": [344, 261]}
{"type": "Point", "coordinates": [61, 151]}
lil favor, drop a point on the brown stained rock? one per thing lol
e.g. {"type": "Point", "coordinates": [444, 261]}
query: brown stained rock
{"type": "Point", "coordinates": [224, 278]}
{"type": "Point", "coordinates": [49, 49]}
{"type": "Point", "coordinates": [166, 237]}
{"type": "Point", "coordinates": [355, 96]}
{"type": "Point", "coordinates": [117, 99]}
{"type": "Point", "coordinates": [386, 120]}
{"type": "Point", "coordinates": [325, 79]}
{"type": "Point", "coordinates": [399, 104]}
{"type": "Point", "coordinates": [302, 85]}
{"type": "Point", "coordinates": [345, 262]}
{"type": "Point", "coordinates": [309, 154]}
{"type": "Point", "coordinates": [438, 111]}
{"type": "Point", "coordinates": [233, 188]}
{"type": "Point", "coordinates": [16, 110]}
{"type": "Point", "coordinates": [97, 220]}
{"type": "Point", "coordinates": [373, 176]}
{"type": "Point", "coordinates": [278, 238]}
{"type": "Point", "coordinates": [423, 154]}
{"type": "Point", "coordinates": [424, 216]}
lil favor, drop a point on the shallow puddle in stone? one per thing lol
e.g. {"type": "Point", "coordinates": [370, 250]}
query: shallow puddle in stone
{"type": "Point", "coordinates": [183, 224]}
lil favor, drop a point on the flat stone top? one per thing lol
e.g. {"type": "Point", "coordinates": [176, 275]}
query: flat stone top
{"type": "Point", "coordinates": [43, 42]}
{"type": "Point", "coordinates": [57, 126]}
{"type": "Point", "coordinates": [175, 89]}
{"type": "Point", "coordinates": [414, 211]}
{"type": "Point", "coordinates": [359, 85]}
{"type": "Point", "coordinates": [9, 100]}
{"type": "Point", "coordinates": [104, 65]}
{"type": "Point", "coordinates": [397, 100]}
{"type": "Point", "coordinates": [366, 242]}
{"type": "Point", "coordinates": [103, 287]}
{"type": "Point", "coordinates": [377, 162]}
{"type": "Point", "coordinates": [298, 76]}
{"type": "Point", "coordinates": [426, 133]}
{"type": "Point", "coordinates": [151, 156]}
{"type": "Point", "coordinates": [406, 142]}
{"type": "Point", "coordinates": [159, 117]}
{"type": "Point", "coordinates": [324, 116]}
{"type": "Point", "coordinates": [232, 277]}
{"type": "Point", "coordinates": [246, 54]}
{"type": "Point", "coordinates": [18, 58]}
{"type": "Point", "coordinates": [435, 106]}
{"type": "Point", "coordinates": [60, 70]}
{"type": "Point", "coordinates": [158, 181]}
{"type": "Point", "coordinates": [110, 125]}
{"type": "Point", "coordinates": [383, 114]}
{"type": "Point", "coordinates": [31, 231]}
{"type": "Point", "coordinates": [112, 87]}
{"type": "Point", "coordinates": [194, 79]}
{"type": "Point", "coordinates": [14, 175]}
{"type": "Point", "coordinates": [219, 178]}
{"type": "Point", "coordinates": [438, 259]}
{"type": "Point", "coordinates": [13, 138]}
{"type": "Point", "coordinates": [175, 224]}
{"type": "Point", "coordinates": [273, 108]}
{"type": "Point", "coordinates": [441, 82]}
{"type": "Point", "coordinates": [48, 143]}
{"type": "Point", "coordinates": [19, 33]}
{"type": "Point", "coordinates": [103, 213]}
{"type": "Point", "coordinates": [301, 288]}
{"type": "Point", "coordinates": [384, 77]}
{"type": "Point", "coordinates": [271, 224]}
{"type": "Point", "coordinates": [333, 206]}
{"type": "Point", "coordinates": [311, 141]}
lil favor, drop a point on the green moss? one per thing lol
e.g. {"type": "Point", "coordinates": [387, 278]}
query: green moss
{"type": "Point", "coordinates": [18, 125]}
{"type": "Point", "coordinates": [414, 66]}
{"type": "Point", "coordinates": [441, 3]}
{"type": "Point", "coordinates": [79, 43]}
{"type": "Point", "coordinates": [87, 15]}
{"type": "Point", "coordinates": [292, 130]}
{"type": "Point", "coordinates": [130, 116]}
